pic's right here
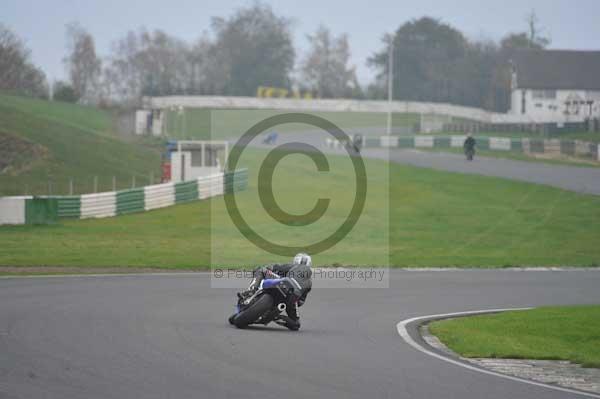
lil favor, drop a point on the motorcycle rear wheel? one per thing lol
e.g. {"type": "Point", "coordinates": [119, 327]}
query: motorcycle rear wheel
{"type": "Point", "coordinates": [249, 315]}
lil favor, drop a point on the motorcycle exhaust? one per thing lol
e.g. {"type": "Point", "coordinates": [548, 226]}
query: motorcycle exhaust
{"type": "Point", "coordinates": [281, 307]}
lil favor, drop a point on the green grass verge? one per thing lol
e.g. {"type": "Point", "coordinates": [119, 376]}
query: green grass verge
{"type": "Point", "coordinates": [434, 219]}
{"type": "Point", "coordinates": [551, 333]}
{"type": "Point", "coordinates": [79, 145]}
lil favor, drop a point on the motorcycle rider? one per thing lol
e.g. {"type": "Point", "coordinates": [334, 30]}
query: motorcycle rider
{"type": "Point", "coordinates": [357, 142]}
{"type": "Point", "coordinates": [469, 146]}
{"type": "Point", "coordinates": [300, 274]}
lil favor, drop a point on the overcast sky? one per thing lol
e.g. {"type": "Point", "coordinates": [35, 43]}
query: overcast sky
{"type": "Point", "coordinates": [570, 24]}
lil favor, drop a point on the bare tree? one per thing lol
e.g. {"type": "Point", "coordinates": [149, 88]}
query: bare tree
{"type": "Point", "coordinates": [83, 65]}
{"type": "Point", "coordinates": [163, 62]}
{"type": "Point", "coordinates": [326, 68]}
{"type": "Point", "coordinates": [535, 31]}
{"type": "Point", "coordinates": [206, 74]}
{"type": "Point", "coordinates": [123, 75]}
{"type": "Point", "coordinates": [148, 63]}
{"type": "Point", "coordinates": [17, 73]}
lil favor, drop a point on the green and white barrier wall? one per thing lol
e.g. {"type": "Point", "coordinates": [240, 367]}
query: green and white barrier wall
{"type": "Point", "coordinates": [575, 148]}
{"type": "Point", "coordinates": [28, 210]}
{"type": "Point", "coordinates": [43, 210]}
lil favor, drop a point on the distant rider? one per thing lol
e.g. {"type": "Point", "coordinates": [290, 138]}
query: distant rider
{"type": "Point", "coordinates": [469, 146]}
{"type": "Point", "coordinates": [300, 274]}
{"type": "Point", "coordinates": [357, 142]}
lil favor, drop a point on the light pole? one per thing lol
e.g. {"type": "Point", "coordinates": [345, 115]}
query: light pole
{"type": "Point", "coordinates": [184, 123]}
{"type": "Point", "coordinates": [182, 113]}
{"type": "Point", "coordinates": [173, 110]}
{"type": "Point", "coordinates": [390, 85]}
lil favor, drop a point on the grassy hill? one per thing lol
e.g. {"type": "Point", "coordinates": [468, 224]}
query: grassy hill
{"type": "Point", "coordinates": [61, 141]}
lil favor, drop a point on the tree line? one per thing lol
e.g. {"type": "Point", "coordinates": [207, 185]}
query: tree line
{"type": "Point", "coordinates": [253, 47]}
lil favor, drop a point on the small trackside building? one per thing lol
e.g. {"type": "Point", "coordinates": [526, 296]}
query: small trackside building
{"type": "Point", "coordinates": [556, 84]}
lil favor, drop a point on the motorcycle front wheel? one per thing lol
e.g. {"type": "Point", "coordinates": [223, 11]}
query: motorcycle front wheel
{"type": "Point", "coordinates": [263, 304]}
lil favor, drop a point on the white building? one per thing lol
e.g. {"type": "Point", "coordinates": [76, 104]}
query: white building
{"type": "Point", "coordinates": [556, 84]}
{"type": "Point", "coordinates": [193, 159]}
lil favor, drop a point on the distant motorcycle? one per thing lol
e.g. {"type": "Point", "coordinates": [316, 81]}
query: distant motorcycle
{"type": "Point", "coordinates": [469, 147]}
{"type": "Point", "coordinates": [357, 142]}
{"type": "Point", "coordinates": [265, 305]}
{"type": "Point", "coordinates": [270, 139]}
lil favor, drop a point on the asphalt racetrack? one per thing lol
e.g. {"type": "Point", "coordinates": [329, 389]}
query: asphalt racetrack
{"type": "Point", "coordinates": [152, 336]}
{"type": "Point", "coordinates": [580, 179]}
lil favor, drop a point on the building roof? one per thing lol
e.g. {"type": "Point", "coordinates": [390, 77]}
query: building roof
{"type": "Point", "coordinates": [557, 69]}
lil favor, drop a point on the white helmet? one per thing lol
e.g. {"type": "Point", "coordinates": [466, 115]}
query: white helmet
{"type": "Point", "coordinates": [302, 259]}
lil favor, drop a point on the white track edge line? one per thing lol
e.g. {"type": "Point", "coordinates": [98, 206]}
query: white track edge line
{"type": "Point", "coordinates": [403, 332]}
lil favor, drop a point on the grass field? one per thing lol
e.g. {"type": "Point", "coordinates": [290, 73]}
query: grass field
{"type": "Point", "coordinates": [434, 219]}
{"type": "Point", "coordinates": [78, 143]}
{"type": "Point", "coordinates": [550, 333]}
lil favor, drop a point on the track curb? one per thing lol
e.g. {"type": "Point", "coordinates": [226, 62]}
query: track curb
{"type": "Point", "coordinates": [409, 331]}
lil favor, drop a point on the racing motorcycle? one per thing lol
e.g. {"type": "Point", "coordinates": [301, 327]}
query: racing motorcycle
{"type": "Point", "coordinates": [265, 305]}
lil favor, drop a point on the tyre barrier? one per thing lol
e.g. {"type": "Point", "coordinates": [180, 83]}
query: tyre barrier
{"type": "Point", "coordinates": [576, 148]}
{"type": "Point", "coordinates": [48, 209]}
{"type": "Point", "coordinates": [28, 210]}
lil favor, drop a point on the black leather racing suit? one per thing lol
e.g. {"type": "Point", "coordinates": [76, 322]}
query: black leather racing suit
{"type": "Point", "coordinates": [469, 147]}
{"type": "Point", "coordinates": [301, 274]}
